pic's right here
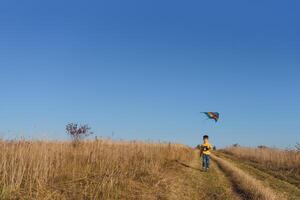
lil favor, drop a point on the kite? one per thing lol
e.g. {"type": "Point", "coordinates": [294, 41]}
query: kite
{"type": "Point", "coordinates": [212, 115]}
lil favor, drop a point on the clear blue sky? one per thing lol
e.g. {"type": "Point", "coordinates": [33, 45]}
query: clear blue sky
{"type": "Point", "coordinates": [145, 69]}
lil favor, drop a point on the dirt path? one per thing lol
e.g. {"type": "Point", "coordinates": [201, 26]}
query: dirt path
{"type": "Point", "coordinates": [282, 188]}
{"type": "Point", "coordinates": [190, 182]}
{"type": "Point", "coordinates": [227, 179]}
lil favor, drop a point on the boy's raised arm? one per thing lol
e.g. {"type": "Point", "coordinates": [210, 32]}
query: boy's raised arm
{"type": "Point", "coordinates": [201, 151]}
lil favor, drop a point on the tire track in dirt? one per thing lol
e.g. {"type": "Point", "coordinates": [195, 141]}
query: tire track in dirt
{"type": "Point", "coordinates": [245, 185]}
{"type": "Point", "coordinates": [286, 189]}
{"type": "Point", "coordinates": [231, 185]}
{"type": "Point", "coordinates": [193, 183]}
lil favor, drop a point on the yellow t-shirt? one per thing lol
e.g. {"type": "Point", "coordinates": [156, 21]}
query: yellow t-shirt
{"type": "Point", "coordinates": [206, 148]}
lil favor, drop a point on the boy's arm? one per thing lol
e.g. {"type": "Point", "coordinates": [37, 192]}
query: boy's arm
{"type": "Point", "coordinates": [201, 151]}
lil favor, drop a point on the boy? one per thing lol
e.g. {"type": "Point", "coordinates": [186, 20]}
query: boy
{"type": "Point", "coordinates": [205, 149]}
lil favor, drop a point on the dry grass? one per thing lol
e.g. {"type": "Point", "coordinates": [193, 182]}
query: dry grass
{"type": "Point", "coordinates": [100, 169]}
{"type": "Point", "coordinates": [248, 186]}
{"type": "Point", "coordinates": [284, 164]}
{"type": "Point", "coordinates": [270, 157]}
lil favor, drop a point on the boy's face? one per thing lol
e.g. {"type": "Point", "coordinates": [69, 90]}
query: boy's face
{"type": "Point", "coordinates": [205, 140]}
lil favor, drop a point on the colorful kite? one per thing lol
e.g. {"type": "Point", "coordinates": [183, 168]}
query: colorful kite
{"type": "Point", "coordinates": [212, 115]}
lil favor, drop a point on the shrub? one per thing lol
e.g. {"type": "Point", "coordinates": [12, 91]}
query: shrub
{"type": "Point", "coordinates": [78, 133]}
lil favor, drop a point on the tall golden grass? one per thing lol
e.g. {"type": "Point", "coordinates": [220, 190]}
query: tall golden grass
{"type": "Point", "coordinates": [270, 157]}
{"type": "Point", "coordinates": [100, 169]}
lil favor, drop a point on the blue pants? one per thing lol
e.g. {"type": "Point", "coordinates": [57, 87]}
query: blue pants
{"type": "Point", "coordinates": [205, 161]}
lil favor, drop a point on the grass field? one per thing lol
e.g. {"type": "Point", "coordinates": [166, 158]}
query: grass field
{"type": "Point", "coordinates": [105, 169]}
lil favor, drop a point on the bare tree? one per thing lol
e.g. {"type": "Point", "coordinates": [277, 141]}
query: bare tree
{"type": "Point", "coordinates": [236, 145]}
{"type": "Point", "coordinates": [297, 146]}
{"type": "Point", "coordinates": [262, 147]}
{"type": "Point", "coordinates": [77, 132]}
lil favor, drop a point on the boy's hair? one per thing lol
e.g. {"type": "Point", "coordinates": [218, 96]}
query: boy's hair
{"type": "Point", "coordinates": [205, 137]}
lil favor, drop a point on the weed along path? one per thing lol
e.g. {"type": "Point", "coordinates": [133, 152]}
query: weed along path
{"type": "Point", "coordinates": [190, 182]}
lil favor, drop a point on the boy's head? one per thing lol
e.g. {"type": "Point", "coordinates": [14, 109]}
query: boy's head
{"type": "Point", "coordinates": [205, 138]}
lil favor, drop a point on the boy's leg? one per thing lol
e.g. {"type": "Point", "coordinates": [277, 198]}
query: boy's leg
{"type": "Point", "coordinates": [203, 161]}
{"type": "Point", "coordinates": [207, 161]}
